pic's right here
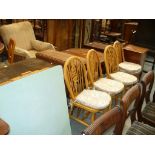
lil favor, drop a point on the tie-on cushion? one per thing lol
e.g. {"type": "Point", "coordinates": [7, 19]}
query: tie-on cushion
{"type": "Point", "coordinates": [138, 128]}
{"type": "Point", "coordinates": [94, 99]}
{"type": "Point", "coordinates": [130, 67]}
{"type": "Point", "coordinates": [110, 86]}
{"type": "Point", "coordinates": [149, 112]}
{"type": "Point", "coordinates": [125, 78]}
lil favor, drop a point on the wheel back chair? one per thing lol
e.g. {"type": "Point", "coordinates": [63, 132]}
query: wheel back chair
{"type": "Point", "coordinates": [112, 68]}
{"type": "Point", "coordinates": [112, 87]}
{"type": "Point", "coordinates": [128, 67]}
{"type": "Point", "coordinates": [83, 100]}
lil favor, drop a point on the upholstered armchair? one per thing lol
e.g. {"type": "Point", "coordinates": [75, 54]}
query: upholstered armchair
{"type": "Point", "coordinates": [23, 35]}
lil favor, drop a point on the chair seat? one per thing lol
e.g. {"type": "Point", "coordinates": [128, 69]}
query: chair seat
{"type": "Point", "coordinates": [138, 128]}
{"type": "Point", "coordinates": [149, 112]}
{"type": "Point", "coordinates": [94, 99]}
{"type": "Point", "coordinates": [110, 86]}
{"type": "Point", "coordinates": [130, 67]}
{"type": "Point", "coordinates": [125, 78]}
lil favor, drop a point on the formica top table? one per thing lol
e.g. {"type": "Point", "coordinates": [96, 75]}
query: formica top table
{"type": "Point", "coordinates": [82, 52]}
{"type": "Point", "coordinates": [22, 68]}
{"type": "Point", "coordinates": [96, 45]}
{"type": "Point", "coordinates": [57, 57]}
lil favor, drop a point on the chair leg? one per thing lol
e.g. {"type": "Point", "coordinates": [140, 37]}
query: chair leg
{"type": "Point", "coordinates": [80, 121]}
{"type": "Point", "coordinates": [93, 117]}
{"type": "Point", "coordinates": [78, 112]}
{"type": "Point", "coordinates": [87, 113]}
{"type": "Point", "coordinates": [116, 100]}
{"type": "Point", "coordinates": [71, 110]}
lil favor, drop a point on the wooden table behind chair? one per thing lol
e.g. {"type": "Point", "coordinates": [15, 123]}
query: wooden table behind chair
{"type": "Point", "coordinates": [82, 52]}
{"type": "Point", "coordinates": [99, 46]}
{"type": "Point", "coordinates": [56, 57]}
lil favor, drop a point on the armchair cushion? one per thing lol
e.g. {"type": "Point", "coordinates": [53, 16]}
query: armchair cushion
{"type": "Point", "coordinates": [41, 46]}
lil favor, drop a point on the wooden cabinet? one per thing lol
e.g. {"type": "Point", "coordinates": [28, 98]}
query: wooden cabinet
{"type": "Point", "coordinates": [60, 33]}
{"type": "Point", "coordinates": [135, 54]}
{"type": "Point", "coordinates": [128, 30]}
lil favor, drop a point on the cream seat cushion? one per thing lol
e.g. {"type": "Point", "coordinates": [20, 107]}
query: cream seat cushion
{"type": "Point", "coordinates": [130, 67]}
{"type": "Point", "coordinates": [125, 78]}
{"type": "Point", "coordinates": [94, 99]}
{"type": "Point", "coordinates": [108, 85]}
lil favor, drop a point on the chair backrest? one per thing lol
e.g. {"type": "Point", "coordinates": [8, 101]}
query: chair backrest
{"type": "Point", "coordinates": [93, 66]}
{"type": "Point", "coordinates": [119, 51]}
{"type": "Point", "coordinates": [148, 80]}
{"type": "Point", "coordinates": [22, 33]}
{"type": "Point", "coordinates": [105, 122]}
{"type": "Point", "coordinates": [131, 101]}
{"type": "Point", "coordinates": [11, 48]}
{"type": "Point", "coordinates": [75, 76]}
{"type": "Point", "coordinates": [110, 59]}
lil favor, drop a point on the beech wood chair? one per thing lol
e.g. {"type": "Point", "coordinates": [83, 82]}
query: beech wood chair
{"type": "Point", "coordinates": [86, 102]}
{"type": "Point", "coordinates": [112, 68]}
{"type": "Point", "coordinates": [112, 87]}
{"type": "Point", "coordinates": [128, 67]}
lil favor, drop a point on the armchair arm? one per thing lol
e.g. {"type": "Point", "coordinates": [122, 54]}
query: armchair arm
{"type": "Point", "coordinates": [41, 46]}
{"type": "Point", "coordinates": [23, 52]}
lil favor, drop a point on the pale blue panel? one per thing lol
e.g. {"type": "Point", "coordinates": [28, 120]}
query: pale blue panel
{"type": "Point", "coordinates": [36, 104]}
